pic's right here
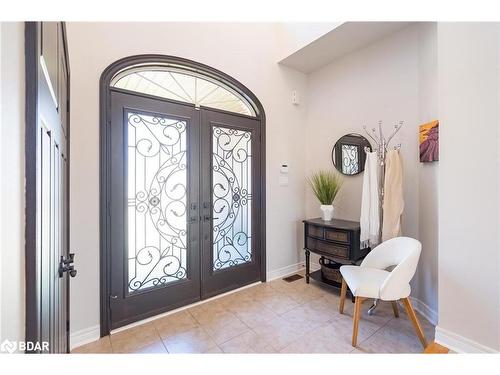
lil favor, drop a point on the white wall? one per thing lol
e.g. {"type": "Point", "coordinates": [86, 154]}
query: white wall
{"type": "Point", "coordinates": [418, 74]}
{"type": "Point", "coordinates": [1, 179]}
{"type": "Point", "coordinates": [469, 281]}
{"type": "Point", "coordinates": [12, 182]}
{"type": "Point", "coordinates": [390, 80]}
{"type": "Point", "coordinates": [245, 51]}
{"type": "Point", "coordinates": [425, 283]}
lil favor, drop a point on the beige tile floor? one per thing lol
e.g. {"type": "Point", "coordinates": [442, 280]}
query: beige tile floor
{"type": "Point", "coordinates": [274, 317]}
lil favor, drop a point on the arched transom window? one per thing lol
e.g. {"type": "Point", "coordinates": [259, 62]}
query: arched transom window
{"type": "Point", "coordinates": [184, 84]}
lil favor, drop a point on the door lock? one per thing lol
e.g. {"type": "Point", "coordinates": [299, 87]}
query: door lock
{"type": "Point", "coordinates": [66, 265]}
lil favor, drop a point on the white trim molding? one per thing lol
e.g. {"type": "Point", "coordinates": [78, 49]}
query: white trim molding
{"type": "Point", "coordinates": [460, 344]}
{"type": "Point", "coordinates": [424, 309]}
{"type": "Point", "coordinates": [284, 271]}
{"type": "Point", "coordinates": [84, 336]}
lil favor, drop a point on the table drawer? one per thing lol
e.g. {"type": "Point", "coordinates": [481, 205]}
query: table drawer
{"type": "Point", "coordinates": [336, 235]}
{"type": "Point", "coordinates": [315, 231]}
{"type": "Point", "coordinates": [332, 249]}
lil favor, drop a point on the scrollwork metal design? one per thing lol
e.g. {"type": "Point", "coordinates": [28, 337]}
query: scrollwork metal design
{"type": "Point", "coordinates": [231, 178]}
{"type": "Point", "coordinates": [350, 159]}
{"type": "Point", "coordinates": [157, 199]}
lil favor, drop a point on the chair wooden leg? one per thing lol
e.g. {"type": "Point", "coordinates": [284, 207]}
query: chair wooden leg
{"type": "Point", "coordinates": [414, 320]}
{"type": "Point", "coordinates": [343, 291]}
{"type": "Point", "coordinates": [355, 319]}
{"type": "Point", "coordinates": [395, 308]}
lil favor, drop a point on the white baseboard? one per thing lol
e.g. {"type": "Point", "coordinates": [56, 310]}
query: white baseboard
{"type": "Point", "coordinates": [460, 344]}
{"type": "Point", "coordinates": [424, 309]}
{"type": "Point", "coordinates": [284, 271]}
{"type": "Point", "coordinates": [84, 336]}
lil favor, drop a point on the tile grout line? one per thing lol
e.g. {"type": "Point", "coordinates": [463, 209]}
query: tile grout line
{"type": "Point", "coordinates": [299, 304]}
{"type": "Point", "coordinates": [200, 326]}
{"type": "Point", "coordinates": [402, 313]}
{"type": "Point", "coordinates": [246, 325]}
{"type": "Point", "coordinates": [382, 326]}
{"type": "Point", "coordinates": [251, 329]}
{"type": "Point", "coordinates": [211, 336]}
{"type": "Point", "coordinates": [111, 344]}
{"type": "Point", "coordinates": [161, 339]}
{"type": "Point", "coordinates": [278, 315]}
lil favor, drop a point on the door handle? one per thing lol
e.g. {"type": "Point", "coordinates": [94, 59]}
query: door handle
{"type": "Point", "coordinates": [66, 265]}
{"type": "Point", "coordinates": [207, 217]}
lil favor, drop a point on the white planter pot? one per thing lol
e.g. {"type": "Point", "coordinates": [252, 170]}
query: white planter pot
{"type": "Point", "coordinates": [327, 212]}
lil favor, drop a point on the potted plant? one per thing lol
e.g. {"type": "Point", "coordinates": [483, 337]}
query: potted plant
{"type": "Point", "coordinates": [326, 185]}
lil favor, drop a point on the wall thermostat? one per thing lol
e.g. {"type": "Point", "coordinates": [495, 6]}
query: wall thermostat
{"type": "Point", "coordinates": [283, 177]}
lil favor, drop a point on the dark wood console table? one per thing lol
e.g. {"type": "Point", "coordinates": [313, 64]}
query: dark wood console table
{"type": "Point", "coordinates": [336, 240]}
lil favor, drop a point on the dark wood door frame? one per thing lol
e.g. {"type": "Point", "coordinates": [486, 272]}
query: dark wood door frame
{"type": "Point", "coordinates": [32, 53]}
{"type": "Point", "coordinates": [105, 122]}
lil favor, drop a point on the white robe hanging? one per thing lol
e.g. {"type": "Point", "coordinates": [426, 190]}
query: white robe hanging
{"type": "Point", "coordinates": [393, 196]}
{"type": "Point", "coordinates": [370, 203]}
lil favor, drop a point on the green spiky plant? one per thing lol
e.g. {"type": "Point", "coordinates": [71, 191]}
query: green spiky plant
{"type": "Point", "coordinates": [325, 185]}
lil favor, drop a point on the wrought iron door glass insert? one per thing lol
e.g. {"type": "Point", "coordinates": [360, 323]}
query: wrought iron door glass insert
{"type": "Point", "coordinates": [232, 195]}
{"type": "Point", "coordinates": [350, 159]}
{"type": "Point", "coordinates": [157, 199]}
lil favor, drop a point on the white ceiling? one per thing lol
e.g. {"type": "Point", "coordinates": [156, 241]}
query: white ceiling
{"type": "Point", "coordinates": [340, 41]}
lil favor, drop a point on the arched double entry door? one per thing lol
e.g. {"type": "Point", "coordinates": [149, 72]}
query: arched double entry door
{"type": "Point", "coordinates": [182, 194]}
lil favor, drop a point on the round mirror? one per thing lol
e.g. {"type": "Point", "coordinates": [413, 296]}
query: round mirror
{"type": "Point", "coordinates": [348, 154]}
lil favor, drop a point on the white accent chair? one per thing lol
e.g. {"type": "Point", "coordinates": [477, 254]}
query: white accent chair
{"type": "Point", "coordinates": [372, 280]}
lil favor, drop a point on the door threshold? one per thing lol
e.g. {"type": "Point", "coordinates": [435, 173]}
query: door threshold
{"type": "Point", "coordinates": [147, 320]}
